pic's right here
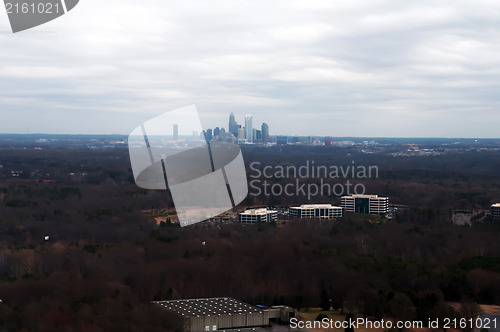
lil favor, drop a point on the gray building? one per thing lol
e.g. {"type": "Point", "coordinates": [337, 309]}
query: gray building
{"type": "Point", "coordinates": [282, 140]}
{"type": "Point", "coordinates": [488, 322]}
{"type": "Point", "coordinates": [214, 314]}
{"type": "Point", "coordinates": [265, 132]}
{"type": "Point", "coordinates": [233, 125]}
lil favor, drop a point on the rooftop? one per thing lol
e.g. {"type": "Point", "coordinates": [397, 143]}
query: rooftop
{"type": "Point", "coordinates": [316, 206]}
{"type": "Point", "coordinates": [257, 211]}
{"type": "Point", "coordinates": [364, 196]}
{"type": "Point", "coordinates": [208, 306]}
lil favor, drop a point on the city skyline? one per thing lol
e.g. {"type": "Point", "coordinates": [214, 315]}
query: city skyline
{"type": "Point", "coordinates": [383, 69]}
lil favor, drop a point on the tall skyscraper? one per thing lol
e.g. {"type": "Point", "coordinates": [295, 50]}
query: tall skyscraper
{"type": "Point", "coordinates": [176, 132]}
{"type": "Point", "coordinates": [233, 125]}
{"type": "Point", "coordinates": [265, 132]}
{"type": "Point", "coordinates": [249, 128]}
{"type": "Point", "coordinates": [208, 135]}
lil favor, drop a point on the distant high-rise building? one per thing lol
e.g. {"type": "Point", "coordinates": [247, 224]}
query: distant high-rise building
{"type": "Point", "coordinates": [282, 140]}
{"type": "Point", "coordinates": [258, 135]}
{"type": "Point", "coordinates": [241, 133]}
{"type": "Point", "coordinates": [233, 125]}
{"type": "Point", "coordinates": [196, 136]}
{"type": "Point", "coordinates": [208, 135]}
{"type": "Point", "coordinates": [249, 128]}
{"type": "Point", "coordinates": [328, 141]}
{"type": "Point", "coordinates": [265, 132]}
{"type": "Point", "coordinates": [216, 131]}
{"type": "Point", "coordinates": [176, 132]}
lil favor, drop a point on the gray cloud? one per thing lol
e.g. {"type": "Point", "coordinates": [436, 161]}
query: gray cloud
{"type": "Point", "coordinates": [350, 68]}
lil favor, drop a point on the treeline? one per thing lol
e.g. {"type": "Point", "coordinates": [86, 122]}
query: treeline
{"type": "Point", "coordinates": [105, 258]}
{"type": "Point", "coordinates": [469, 180]}
{"type": "Point", "coordinates": [401, 270]}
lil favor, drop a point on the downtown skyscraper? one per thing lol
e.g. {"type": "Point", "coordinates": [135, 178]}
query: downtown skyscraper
{"type": "Point", "coordinates": [233, 125]}
{"type": "Point", "coordinates": [265, 132]}
{"type": "Point", "coordinates": [249, 128]}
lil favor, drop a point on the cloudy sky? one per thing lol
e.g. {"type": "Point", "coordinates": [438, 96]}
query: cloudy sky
{"type": "Point", "coordinates": [387, 68]}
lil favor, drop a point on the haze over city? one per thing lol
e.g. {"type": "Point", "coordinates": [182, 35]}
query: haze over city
{"type": "Point", "coordinates": [375, 69]}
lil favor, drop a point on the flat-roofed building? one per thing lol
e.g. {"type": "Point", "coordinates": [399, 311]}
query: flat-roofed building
{"type": "Point", "coordinates": [372, 204]}
{"type": "Point", "coordinates": [258, 215]}
{"type": "Point", "coordinates": [316, 211]}
{"type": "Point", "coordinates": [213, 314]}
{"type": "Point", "coordinates": [495, 211]}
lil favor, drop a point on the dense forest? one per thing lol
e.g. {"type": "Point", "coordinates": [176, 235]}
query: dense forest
{"type": "Point", "coordinates": [106, 258]}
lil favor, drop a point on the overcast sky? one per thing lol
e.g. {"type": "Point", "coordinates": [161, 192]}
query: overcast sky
{"type": "Point", "coordinates": [387, 68]}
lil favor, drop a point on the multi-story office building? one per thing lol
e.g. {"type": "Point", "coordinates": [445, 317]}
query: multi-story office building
{"type": "Point", "coordinates": [282, 140]}
{"type": "Point", "coordinates": [241, 134]}
{"type": "Point", "coordinates": [495, 211]}
{"type": "Point", "coordinates": [265, 132]}
{"type": "Point", "coordinates": [233, 125]}
{"type": "Point", "coordinates": [258, 135]}
{"type": "Point", "coordinates": [208, 135]}
{"type": "Point", "coordinates": [258, 215]}
{"type": "Point", "coordinates": [249, 128]}
{"type": "Point", "coordinates": [316, 211]}
{"type": "Point", "coordinates": [365, 204]}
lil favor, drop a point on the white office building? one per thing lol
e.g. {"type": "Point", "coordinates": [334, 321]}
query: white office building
{"type": "Point", "coordinates": [316, 211]}
{"type": "Point", "coordinates": [249, 128]}
{"type": "Point", "coordinates": [495, 211]}
{"type": "Point", "coordinates": [258, 215]}
{"type": "Point", "coordinates": [365, 204]}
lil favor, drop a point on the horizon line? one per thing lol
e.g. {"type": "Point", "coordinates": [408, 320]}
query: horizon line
{"type": "Point", "coordinates": [275, 135]}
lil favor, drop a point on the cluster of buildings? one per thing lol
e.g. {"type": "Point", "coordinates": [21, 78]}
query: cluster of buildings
{"type": "Point", "coordinates": [362, 204]}
{"type": "Point", "coordinates": [368, 204]}
{"type": "Point", "coordinates": [237, 133]}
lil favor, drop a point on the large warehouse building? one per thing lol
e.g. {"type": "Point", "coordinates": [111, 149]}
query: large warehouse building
{"type": "Point", "coordinates": [365, 204]}
{"type": "Point", "coordinates": [215, 314]}
{"type": "Point", "coordinates": [316, 211]}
